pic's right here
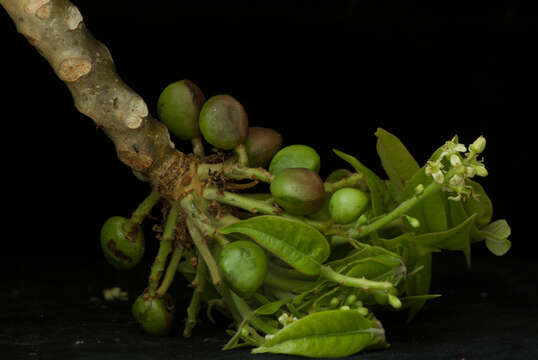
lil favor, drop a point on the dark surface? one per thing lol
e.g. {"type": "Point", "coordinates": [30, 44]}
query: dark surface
{"type": "Point", "coordinates": [488, 312]}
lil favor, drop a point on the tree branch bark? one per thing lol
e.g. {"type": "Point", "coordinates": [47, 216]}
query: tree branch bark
{"type": "Point", "coordinates": [56, 29]}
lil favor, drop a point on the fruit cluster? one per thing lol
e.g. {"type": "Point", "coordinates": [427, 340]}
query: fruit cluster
{"type": "Point", "coordinates": [301, 267]}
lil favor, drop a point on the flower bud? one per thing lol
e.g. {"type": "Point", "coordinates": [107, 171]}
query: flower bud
{"type": "Point", "coordinates": [481, 170]}
{"type": "Point", "coordinates": [478, 145]}
{"type": "Point", "coordinates": [419, 189]}
{"type": "Point", "coordinates": [413, 222]}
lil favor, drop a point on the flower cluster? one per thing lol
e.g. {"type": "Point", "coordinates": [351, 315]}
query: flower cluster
{"type": "Point", "coordinates": [455, 164]}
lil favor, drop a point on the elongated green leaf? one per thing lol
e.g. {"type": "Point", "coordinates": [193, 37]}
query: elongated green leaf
{"type": "Point", "coordinates": [479, 203]}
{"type": "Point", "coordinates": [366, 251]}
{"type": "Point", "coordinates": [375, 184]}
{"type": "Point", "coordinates": [332, 333]}
{"type": "Point", "coordinates": [398, 163]}
{"type": "Point", "coordinates": [271, 308]}
{"type": "Point", "coordinates": [373, 268]}
{"type": "Point", "coordinates": [496, 235]}
{"type": "Point", "coordinates": [420, 283]}
{"type": "Point", "coordinates": [298, 244]}
{"type": "Point", "coordinates": [458, 215]}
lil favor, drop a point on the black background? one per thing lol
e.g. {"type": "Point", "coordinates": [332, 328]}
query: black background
{"type": "Point", "coordinates": [325, 74]}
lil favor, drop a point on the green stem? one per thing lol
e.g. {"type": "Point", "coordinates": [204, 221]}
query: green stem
{"type": "Point", "coordinates": [247, 313]}
{"type": "Point", "coordinates": [350, 181]}
{"type": "Point", "coordinates": [200, 219]}
{"type": "Point", "coordinates": [210, 262]}
{"type": "Point", "coordinates": [199, 282]}
{"type": "Point", "coordinates": [235, 171]}
{"type": "Point", "coordinates": [142, 211]}
{"type": "Point", "coordinates": [198, 146]}
{"type": "Point", "coordinates": [165, 247]}
{"type": "Point", "coordinates": [171, 270]}
{"type": "Point", "coordinates": [242, 157]}
{"type": "Point", "coordinates": [246, 203]}
{"type": "Point", "coordinates": [202, 247]}
{"type": "Point", "coordinates": [274, 280]}
{"type": "Point", "coordinates": [400, 210]}
{"type": "Point", "coordinates": [361, 283]}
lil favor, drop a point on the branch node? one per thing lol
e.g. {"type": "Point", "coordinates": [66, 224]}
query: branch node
{"type": "Point", "coordinates": [32, 6]}
{"type": "Point", "coordinates": [71, 69]}
{"type": "Point", "coordinates": [74, 18]}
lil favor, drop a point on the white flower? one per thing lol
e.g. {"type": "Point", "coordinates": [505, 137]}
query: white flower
{"type": "Point", "coordinates": [470, 171]}
{"type": "Point", "coordinates": [438, 177]}
{"type": "Point", "coordinates": [455, 160]}
{"type": "Point", "coordinates": [456, 180]}
{"type": "Point", "coordinates": [480, 170]}
{"type": "Point", "coordinates": [434, 170]}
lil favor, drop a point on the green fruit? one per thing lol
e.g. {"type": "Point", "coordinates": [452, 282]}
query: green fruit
{"type": "Point", "coordinates": [243, 264]}
{"type": "Point", "coordinates": [338, 175]}
{"type": "Point", "coordinates": [299, 191]}
{"type": "Point", "coordinates": [155, 315]}
{"type": "Point", "coordinates": [347, 204]}
{"type": "Point", "coordinates": [121, 249]}
{"type": "Point", "coordinates": [178, 108]}
{"type": "Point", "coordinates": [223, 122]}
{"type": "Point", "coordinates": [261, 145]}
{"type": "Point", "coordinates": [322, 214]}
{"type": "Point", "coordinates": [295, 156]}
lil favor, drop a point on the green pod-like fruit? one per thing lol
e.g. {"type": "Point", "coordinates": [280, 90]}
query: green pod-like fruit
{"type": "Point", "coordinates": [347, 204]}
{"type": "Point", "coordinates": [121, 249]}
{"type": "Point", "coordinates": [243, 264]}
{"type": "Point", "coordinates": [299, 191]}
{"type": "Point", "coordinates": [155, 315]}
{"type": "Point", "coordinates": [223, 122]}
{"type": "Point", "coordinates": [261, 145]}
{"type": "Point", "coordinates": [295, 156]}
{"type": "Point", "coordinates": [178, 108]}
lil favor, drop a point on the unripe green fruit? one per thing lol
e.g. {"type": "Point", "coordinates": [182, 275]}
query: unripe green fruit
{"type": "Point", "coordinates": [295, 156]}
{"type": "Point", "coordinates": [323, 213]}
{"type": "Point", "coordinates": [178, 108]}
{"type": "Point", "coordinates": [155, 315]}
{"type": "Point", "coordinates": [243, 264]}
{"type": "Point", "coordinates": [223, 122]}
{"type": "Point", "coordinates": [347, 204]}
{"type": "Point", "coordinates": [261, 145]}
{"type": "Point", "coordinates": [299, 191]}
{"type": "Point", "coordinates": [121, 249]}
{"type": "Point", "coordinates": [338, 175]}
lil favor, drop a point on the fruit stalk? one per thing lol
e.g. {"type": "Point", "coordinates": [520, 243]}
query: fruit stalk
{"type": "Point", "coordinates": [165, 247]}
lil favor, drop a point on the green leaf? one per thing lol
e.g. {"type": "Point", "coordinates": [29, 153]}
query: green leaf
{"type": "Point", "coordinates": [375, 184]}
{"type": "Point", "coordinates": [458, 215]}
{"type": "Point", "coordinates": [376, 267]}
{"type": "Point", "coordinates": [479, 204]}
{"type": "Point", "coordinates": [398, 163]}
{"type": "Point", "coordinates": [496, 235]}
{"type": "Point", "coordinates": [419, 284]}
{"type": "Point", "coordinates": [296, 243]}
{"type": "Point", "coordinates": [332, 333]}
{"type": "Point", "coordinates": [271, 308]}
{"type": "Point", "coordinates": [412, 301]}
{"type": "Point", "coordinates": [366, 251]}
